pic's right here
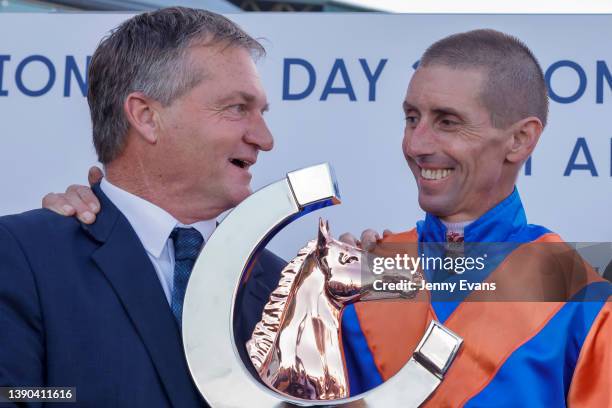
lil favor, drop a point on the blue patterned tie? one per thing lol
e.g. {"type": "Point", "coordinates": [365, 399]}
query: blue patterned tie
{"type": "Point", "coordinates": [187, 245]}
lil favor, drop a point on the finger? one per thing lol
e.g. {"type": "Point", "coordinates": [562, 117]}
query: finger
{"type": "Point", "coordinates": [57, 203]}
{"type": "Point", "coordinates": [387, 232]}
{"type": "Point", "coordinates": [89, 198]}
{"type": "Point", "coordinates": [83, 212]}
{"type": "Point", "coordinates": [348, 238]}
{"type": "Point", "coordinates": [369, 239]}
{"type": "Point", "coordinates": [94, 175]}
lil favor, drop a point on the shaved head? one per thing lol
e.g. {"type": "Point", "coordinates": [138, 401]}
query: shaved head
{"type": "Point", "coordinates": [514, 87]}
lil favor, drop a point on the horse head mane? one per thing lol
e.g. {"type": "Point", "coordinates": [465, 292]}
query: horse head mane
{"type": "Point", "coordinates": [268, 328]}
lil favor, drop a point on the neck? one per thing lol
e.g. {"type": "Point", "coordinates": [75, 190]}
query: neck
{"type": "Point", "coordinates": [481, 207]}
{"type": "Point", "coordinates": [136, 178]}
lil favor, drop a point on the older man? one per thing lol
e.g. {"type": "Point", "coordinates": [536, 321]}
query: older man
{"type": "Point", "coordinates": [177, 110]}
{"type": "Point", "coordinates": [475, 109]}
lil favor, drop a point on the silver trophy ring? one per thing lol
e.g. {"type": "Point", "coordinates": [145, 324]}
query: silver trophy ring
{"type": "Point", "coordinates": [208, 336]}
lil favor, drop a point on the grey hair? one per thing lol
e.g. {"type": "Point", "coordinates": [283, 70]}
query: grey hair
{"type": "Point", "coordinates": [149, 53]}
{"type": "Point", "coordinates": [514, 88]}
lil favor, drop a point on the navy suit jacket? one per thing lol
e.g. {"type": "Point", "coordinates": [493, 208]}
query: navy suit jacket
{"type": "Point", "coordinates": [81, 306]}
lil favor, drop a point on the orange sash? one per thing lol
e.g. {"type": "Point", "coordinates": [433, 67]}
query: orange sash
{"type": "Point", "coordinates": [492, 330]}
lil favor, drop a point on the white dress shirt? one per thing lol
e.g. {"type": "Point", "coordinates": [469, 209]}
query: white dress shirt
{"type": "Point", "coordinates": [153, 226]}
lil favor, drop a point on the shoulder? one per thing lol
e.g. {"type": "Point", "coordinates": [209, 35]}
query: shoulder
{"type": "Point", "coordinates": [37, 220]}
{"type": "Point", "coordinates": [536, 233]}
{"type": "Point", "coordinates": [37, 229]}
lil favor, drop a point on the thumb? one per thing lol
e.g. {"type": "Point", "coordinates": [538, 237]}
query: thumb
{"type": "Point", "coordinates": [95, 175]}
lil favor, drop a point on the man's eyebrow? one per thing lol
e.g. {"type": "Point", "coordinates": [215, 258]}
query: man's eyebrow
{"type": "Point", "coordinates": [245, 96]}
{"type": "Point", "coordinates": [407, 106]}
{"type": "Point", "coordinates": [444, 110]}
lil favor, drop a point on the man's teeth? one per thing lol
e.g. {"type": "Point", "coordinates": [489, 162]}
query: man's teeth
{"type": "Point", "coordinates": [435, 174]}
{"type": "Point", "coordinates": [240, 163]}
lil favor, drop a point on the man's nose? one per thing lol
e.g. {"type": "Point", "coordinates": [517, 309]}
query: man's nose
{"type": "Point", "coordinates": [259, 134]}
{"type": "Point", "coordinates": [419, 141]}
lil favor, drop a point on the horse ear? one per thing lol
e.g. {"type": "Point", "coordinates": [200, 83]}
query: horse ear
{"type": "Point", "coordinates": [323, 236]}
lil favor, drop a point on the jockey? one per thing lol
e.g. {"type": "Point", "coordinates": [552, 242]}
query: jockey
{"type": "Point", "coordinates": [475, 109]}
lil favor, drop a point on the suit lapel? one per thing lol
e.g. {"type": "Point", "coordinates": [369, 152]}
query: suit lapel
{"type": "Point", "coordinates": [124, 262]}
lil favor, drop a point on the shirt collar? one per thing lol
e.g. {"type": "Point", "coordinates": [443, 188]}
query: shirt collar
{"type": "Point", "coordinates": [151, 223]}
{"type": "Point", "coordinates": [500, 224]}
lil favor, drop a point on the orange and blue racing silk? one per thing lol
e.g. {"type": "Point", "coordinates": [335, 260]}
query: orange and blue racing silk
{"type": "Point", "coordinates": [516, 352]}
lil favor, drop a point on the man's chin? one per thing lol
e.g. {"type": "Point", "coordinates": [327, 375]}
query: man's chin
{"type": "Point", "coordinates": [241, 195]}
{"type": "Point", "coordinates": [435, 206]}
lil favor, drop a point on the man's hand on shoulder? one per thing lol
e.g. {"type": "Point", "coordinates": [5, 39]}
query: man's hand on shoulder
{"type": "Point", "coordinates": [78, 201]}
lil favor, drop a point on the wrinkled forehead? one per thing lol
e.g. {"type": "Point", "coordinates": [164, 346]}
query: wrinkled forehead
{"type": "Point", "coordinates": [438, 85]}
{"type": "Point", "coordinates": [231, 68]}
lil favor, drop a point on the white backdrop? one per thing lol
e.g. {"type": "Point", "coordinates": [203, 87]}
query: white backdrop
{"type": "Point", "coordinates": [45, 134]}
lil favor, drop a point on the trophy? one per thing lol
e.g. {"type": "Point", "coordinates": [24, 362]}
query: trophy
{"type": "Point", "coordinates": [295, 350]}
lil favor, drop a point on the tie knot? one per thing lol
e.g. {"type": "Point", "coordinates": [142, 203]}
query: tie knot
{"type": "Point", "coordinates": [187, 243]}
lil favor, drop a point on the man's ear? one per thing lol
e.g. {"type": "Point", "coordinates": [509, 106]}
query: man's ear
{"type": "Point", "coordinates": [525, 136]}
{"type": "Point", "coordinates": [140, 112]}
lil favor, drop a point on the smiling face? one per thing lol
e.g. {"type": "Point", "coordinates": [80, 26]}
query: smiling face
{"type": "Point", "coordinates": [456, 156]}
{"type": "Point", "coordinates": [211, 136]}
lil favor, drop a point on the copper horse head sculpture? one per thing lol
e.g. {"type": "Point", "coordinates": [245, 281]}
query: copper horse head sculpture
{"type": "Point", "coordinates": [296, 347]}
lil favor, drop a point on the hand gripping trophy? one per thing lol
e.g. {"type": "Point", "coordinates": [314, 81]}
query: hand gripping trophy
{"type": "Point", "coordinates": [296, 347]}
